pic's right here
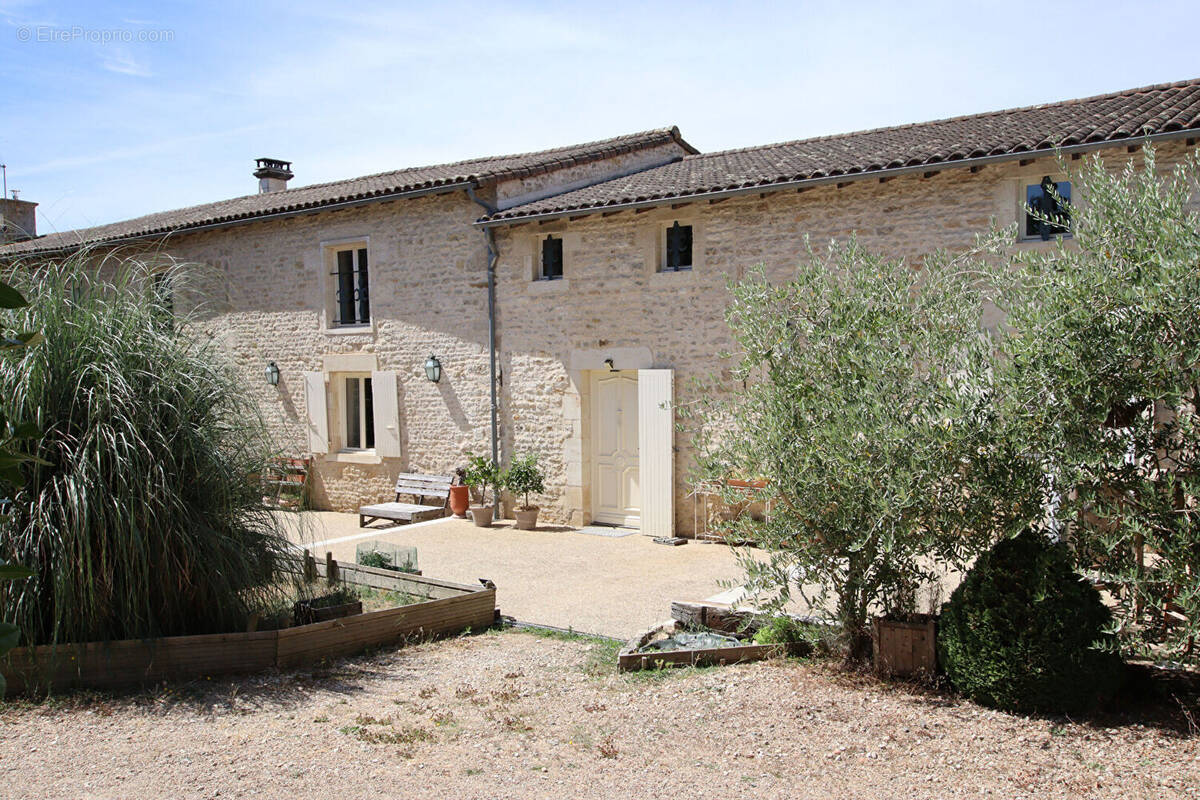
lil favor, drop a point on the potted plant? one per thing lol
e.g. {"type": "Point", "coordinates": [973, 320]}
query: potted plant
{"type": "Point", "coordinates": [460, 494]}
{"type": "Point", "coordinates": [481, 473]}
{"type": "Point", "coordinates": [524, 477]}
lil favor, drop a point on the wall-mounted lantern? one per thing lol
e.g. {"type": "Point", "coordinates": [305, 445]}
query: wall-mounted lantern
{"type": "Point", "coordinates": [433, 368]}
{"type": "Point", "coordinates": [272, 373]}
{"type": "Point", "coordinates": [608, 362]}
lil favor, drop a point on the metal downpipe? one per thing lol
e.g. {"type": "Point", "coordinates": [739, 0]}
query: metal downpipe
{"type": "Point", "coordinates": [493, 256]}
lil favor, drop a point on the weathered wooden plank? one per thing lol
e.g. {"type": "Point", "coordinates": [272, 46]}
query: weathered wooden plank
{"type": "Point", "coordinates": [905, 648]}
{"type": "Point", "coordinates": [350, 634]}
{"type": "Point", "coordinates": [105, 665]}
{"type": "Point", "coordinates": [718, 655]}
{"type": "Point", "coordinates": [714, 616]}
{"type": "Point", "coordinates": [135, 662]}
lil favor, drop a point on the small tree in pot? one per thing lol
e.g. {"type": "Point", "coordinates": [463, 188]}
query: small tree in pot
{"type": "Point", "coordinates": [481, 473]}
{"type": "Point", "coordinates": [523, 477]}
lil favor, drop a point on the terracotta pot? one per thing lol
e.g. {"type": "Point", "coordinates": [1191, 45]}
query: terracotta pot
{"type": "Point", "coordinates": [527, 518]}
{"type": "Point", "coordinates": [482, 515]}
{"type": "Point", "coordinates": [460, 500]}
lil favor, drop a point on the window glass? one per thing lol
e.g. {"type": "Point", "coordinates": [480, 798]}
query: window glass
{"type": "Point", "coordinates": [552, 258]}
{"type": "Point", "coordinates": [364, 301]}
{"type": "Point", "coordinates": [352, 300]}
{"type": "Point", "coordinates": [1047, 199]}
{"type": "Point", "coordinates": [679, 248]}
{"type": "Point", "coordinates": [353, 414]}
{"type": "Point", "coordinates": [359, 414]}
{"type": "Point", "coordinates": [368, 413]}
{"type": "Point", "coordinates": [345, 287]}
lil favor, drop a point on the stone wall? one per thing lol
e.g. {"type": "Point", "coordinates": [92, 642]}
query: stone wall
{"type": "Point", "coordinates": [265, 290]}
{"type": "Point", "coordinates": [428, 296]}
{"type": "Point", "coordinates": [614, 302]}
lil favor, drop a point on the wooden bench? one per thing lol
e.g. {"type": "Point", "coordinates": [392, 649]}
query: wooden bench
{"type": "Point", "coordinates": [419, 487]}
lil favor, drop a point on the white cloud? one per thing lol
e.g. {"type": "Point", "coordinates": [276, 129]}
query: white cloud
{"type": "Point", "coordinates": [123, 62]}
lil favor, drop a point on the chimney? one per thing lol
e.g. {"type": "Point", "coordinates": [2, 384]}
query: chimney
{"type": "Point", "coordinates": [17, 219]}
{"type": "Point", "coordinates": [272, 174]}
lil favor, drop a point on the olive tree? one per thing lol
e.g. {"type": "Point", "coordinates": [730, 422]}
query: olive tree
{"type": "Point", "coordinates": [858, 397]}
{"type": "Point", "coordinates": [1102, 370]}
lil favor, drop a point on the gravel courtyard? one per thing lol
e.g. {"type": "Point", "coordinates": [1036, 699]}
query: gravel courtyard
{"type": "Point", "coordinates": [552, 576]}
{"type": "Point", "coordinates": [517, 715]}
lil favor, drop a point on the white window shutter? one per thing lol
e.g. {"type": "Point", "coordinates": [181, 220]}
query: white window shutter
{"type": "Point", "coordinates": [318, 413]}
{"type": "Point", "coordinates": [656, 450]}
{"type": "Point", "coordinates": [387, 414]}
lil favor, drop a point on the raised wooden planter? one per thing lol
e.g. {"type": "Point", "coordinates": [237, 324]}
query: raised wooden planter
{"type": "Point", "coordinates": [630, 659]}
{"type": "Point", "coordinates": [718, 656]}
{"type": "Point", "coordinates": [305, 614]}
{"type": "Point", "coordinates": [451, 608]}
{"type": "Point", "coordinates": [905, 648]}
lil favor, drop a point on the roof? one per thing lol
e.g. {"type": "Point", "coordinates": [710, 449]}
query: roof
{"type": "Point", "coordinates": [1130, 114]}
{"type": "Point", "coordinates": [441, 177]}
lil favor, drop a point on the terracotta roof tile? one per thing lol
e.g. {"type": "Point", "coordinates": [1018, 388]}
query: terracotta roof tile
{"type": "Point", "coordinates": [1122, 115]}
{"type": "Point", "coordinates": [478, 171]}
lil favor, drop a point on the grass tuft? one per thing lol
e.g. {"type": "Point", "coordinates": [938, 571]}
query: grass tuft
{"type": "Point", "coordinates": [147, 521]}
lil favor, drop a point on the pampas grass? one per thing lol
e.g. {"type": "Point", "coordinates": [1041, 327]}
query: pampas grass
{"type": "Point", "coordinates": [147, 522]}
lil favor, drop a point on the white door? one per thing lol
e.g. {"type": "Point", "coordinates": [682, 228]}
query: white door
{"type": "Point", "coordinates": [616, 492]}
{"type": "Point", "coordinates": [656, 448]}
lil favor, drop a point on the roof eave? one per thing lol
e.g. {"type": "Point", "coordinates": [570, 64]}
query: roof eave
{"type": "Point", "coordinates": [163, 235]}
{"type": "Point", "coordinates": [780, 186]}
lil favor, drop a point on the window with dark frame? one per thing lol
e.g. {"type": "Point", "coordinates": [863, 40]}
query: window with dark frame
{"type": "Point", "coordinates": [679, 248]}
{"type": "Point", "coordinates": [360, 414]}
{"type": "Point", "coordinates": [353, 300]}
{"type": "Point", "coordinates": [552, 259]}
{"type": "Point", "coordinates": [1049, 209]}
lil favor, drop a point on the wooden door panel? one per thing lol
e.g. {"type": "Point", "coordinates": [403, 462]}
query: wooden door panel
{"type": "Point", "coordinates": [616, 494]}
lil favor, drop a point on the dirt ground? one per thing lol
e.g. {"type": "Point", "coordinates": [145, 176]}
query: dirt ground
{"type": "Point", "coordinates": [517, 715]}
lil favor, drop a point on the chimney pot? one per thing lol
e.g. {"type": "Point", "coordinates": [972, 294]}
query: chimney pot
{"type": "Point", "coordinates": [272, 174]}
{"type": "Point", "coordinates": [18, 219]}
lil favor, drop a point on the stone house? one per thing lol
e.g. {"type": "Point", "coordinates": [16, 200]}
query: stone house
{"type": "Point", "coordinates": [599, 272]}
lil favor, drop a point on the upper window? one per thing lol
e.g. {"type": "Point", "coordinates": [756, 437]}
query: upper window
{"type": "Point", "coordinates": [552, 259]}
{"type": "Point", "coordinates": [677, 254]}
{"type": "Point", "coordinates": [352, 298]}
{"type": "Point", "coordinates": [1048, 209]}
{"type": "Point", "coordinates": [359, 408]}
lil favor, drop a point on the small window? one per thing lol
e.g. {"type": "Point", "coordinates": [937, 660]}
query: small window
{"type": "Point", "coordinates": [1048, 211]}
{"type": "Point", "coordinates": [678, 253]}
{"type": "Point", "coordinates": [352, 300]}
{"type": "Point", "coordinates": [552, 259]}
{"type": "Point", "coordinates": [360, 414]}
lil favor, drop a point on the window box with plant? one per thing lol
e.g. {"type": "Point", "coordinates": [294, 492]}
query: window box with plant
{"type": "Point", "coordinates": [482, 473]}
{"type": "Point", "coordinates": [524, 477]}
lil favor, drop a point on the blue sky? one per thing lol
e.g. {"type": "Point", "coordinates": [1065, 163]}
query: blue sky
{"type": "Point", "coordinates": [112, 110]}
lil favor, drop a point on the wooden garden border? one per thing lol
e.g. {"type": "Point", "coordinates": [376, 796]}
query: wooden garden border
{"type": "Point", "coordinates": [629, 661]}
{"type": "Point", "coordinates": [452, 607]}
{"type": "Point", "coordinates": [631, 658]}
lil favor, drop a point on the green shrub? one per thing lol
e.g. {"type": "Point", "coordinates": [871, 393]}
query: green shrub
{"type": "Point", "coordinates": [140, 517]}
{"type": "Point", "coordinates": [524, 476]}
{"type": "Point", "coordinates": [867, 463]}
{"type": "Point", "coordinates": [481, 473]}
{"type": "Point", "coordinates": [1020, 632]}
{"type": "Point", "coordinates": [785, 629]}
